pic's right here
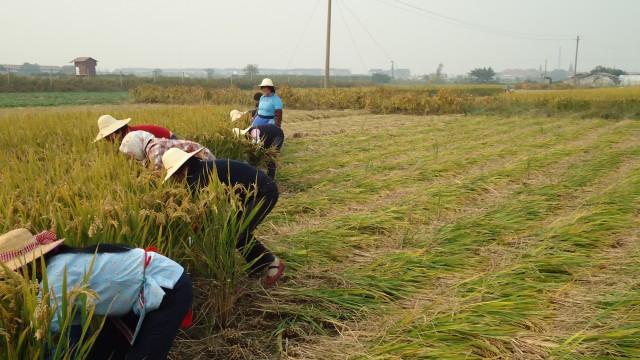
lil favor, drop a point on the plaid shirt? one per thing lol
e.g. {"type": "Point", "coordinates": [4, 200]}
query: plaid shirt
{"type": "Point", "coordinates": [157, 147]}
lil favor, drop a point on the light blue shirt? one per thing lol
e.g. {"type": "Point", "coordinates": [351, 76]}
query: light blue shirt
{"type": "Point", "coordinates": [269, 104]}
{"type": "Point", "coordinates": [117, 278]}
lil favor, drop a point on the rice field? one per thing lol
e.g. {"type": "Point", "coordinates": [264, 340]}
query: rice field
{"type": "Point", "coordinates": [457, 237]}
{"type": "Point", "coordinates": [31, 99]}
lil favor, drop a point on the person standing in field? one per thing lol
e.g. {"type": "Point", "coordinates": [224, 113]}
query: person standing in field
{"type": "Point", "coordinates": [145, 295]}
{"type": "Point", "coordinates": [267, 136]}
{"type": "Point", "coordinates": [146, 148]}
{"type": "Point", "coordinates": [270, 105]}
{"type": "Point", "coordinates": [258, 190]}
{"type": "Point", "coordinates": [256, 98]}
{"type": "Point", "coordinates": [115, 130]}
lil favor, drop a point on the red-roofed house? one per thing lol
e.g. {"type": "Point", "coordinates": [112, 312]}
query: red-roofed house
{"type": "Point", "coordinates": [85, 66]}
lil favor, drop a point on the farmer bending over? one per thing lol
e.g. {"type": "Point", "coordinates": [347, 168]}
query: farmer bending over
{"type": "Point", "coordinates": [267, 136]}
{"type": "Point", "coordinates": [257, 188]}
{"type": "Point", "coordinates": [114, 130]}
{"type": "Point", "coordinates": [145, 148]}
{"type": "Point", "coordinates": [144, 294]}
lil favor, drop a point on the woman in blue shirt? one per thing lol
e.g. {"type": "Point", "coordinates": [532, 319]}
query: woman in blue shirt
{"type": "Point", "coordinates": [145, 294]}
{"type": "Point", "coordinates": [270, 105]}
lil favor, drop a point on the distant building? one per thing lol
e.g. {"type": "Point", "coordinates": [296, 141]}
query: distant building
{"type": "Point", "coordinates": [50, 69]}
{"type": "Point", "coordinates": [85, 66]}
{"type": "Point", "coordinates": [511, 75]}
{"type": "Point", "coordinates": [594, 80]}
{"type": "Point", "coordinates": [401, 74]}
{"type": "Point", "coordinates": [41, 68]}
{"type": "Point", "coordinates": [11, 67]}
{"type": "Point", "coordinates": [630, 80]}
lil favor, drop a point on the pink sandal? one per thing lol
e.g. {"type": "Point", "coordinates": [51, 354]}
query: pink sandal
{"type": "Point", "coordinates": [280, 268]}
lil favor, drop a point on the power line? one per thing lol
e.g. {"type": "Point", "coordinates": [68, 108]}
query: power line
{"type": "Point", "coordinates": [367, 31]}
{"type": "Point", "coordinates": [465, 24]}
{"type": "Point", "coordinates": [295, 50]}
{"type": "Point", "coordinates": [355, 46]}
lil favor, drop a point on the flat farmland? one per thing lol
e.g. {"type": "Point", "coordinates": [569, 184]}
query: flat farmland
{"type": "Point", "coordinates": [8, 100]}
{"type": "Point", "coordinates": [404, 236]}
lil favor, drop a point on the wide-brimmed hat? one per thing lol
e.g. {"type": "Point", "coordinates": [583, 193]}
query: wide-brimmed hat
{"type": "Point", "coordinates": [173, 158]}
{"type": "Point", "coordinates": [18, 247]}
{"type": "Point", "coordinates": [266, 82]}
{"type": "Point", "coordinates": [238, 132]}
{"type": "Point", "coordinates": [107, 125]}
{"type": "Point", "coordinates": [235, 114]}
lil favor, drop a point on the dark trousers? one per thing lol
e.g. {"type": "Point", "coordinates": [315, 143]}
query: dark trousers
{"type": "Point", "coordinates": [256, 253]}
{"type": "Point", "coordinates": [272, 139]}
{"type": "Point", "coordinates": [158, 330]}
{"type": "Point", "coordinates": [276, 143]}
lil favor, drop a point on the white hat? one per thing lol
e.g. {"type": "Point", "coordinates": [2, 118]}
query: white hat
{"type": "Point", "coordinates": [173, 158]}
{"type": "Point", "coordinates": [18, 247]}
{"type": "Point", "coordinates": [266, 82]}
{"type": "Point", "coordinates": [239, 132]}
{"type": "Point", "coordinates": [235, 114]}
{"type": "Point", "coordinates": [107, 124]}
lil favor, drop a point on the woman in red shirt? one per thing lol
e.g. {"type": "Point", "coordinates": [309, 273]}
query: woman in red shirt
{"type": "Point", "coordinates": [114, 130]}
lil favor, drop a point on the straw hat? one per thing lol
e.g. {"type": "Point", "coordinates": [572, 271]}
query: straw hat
{"type": "Point", "coordinates": [235, 114]}
{"type": "Point", "coordinates": [173, 158]}
{"type": "Point", "coordinates": [18, 247]}
{"type": "Point", "coordinates": [238, 132]}
{"type": "Point", "coordinates": [107, 125]}
{"type": "Point", "coordinates": [266, 82]}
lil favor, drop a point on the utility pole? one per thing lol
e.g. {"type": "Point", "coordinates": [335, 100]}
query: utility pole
{"type": "Point", "coordinates": [392, 77]}
{"type": "Point", "coordinates": [560, 57]}
{"type": "Point", "coordinates": [575, 63]}
{"type": "Point", "coordinates": [545, 71]}
{"type": "Point", "coordinates": [326, 62]}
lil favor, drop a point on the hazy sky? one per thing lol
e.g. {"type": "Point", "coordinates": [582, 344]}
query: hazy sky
{"type": "Point", "coordinates": [415, 34]}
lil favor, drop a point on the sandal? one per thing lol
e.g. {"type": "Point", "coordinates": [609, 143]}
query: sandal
{"type": "Point", "coordinates": [276, 268]}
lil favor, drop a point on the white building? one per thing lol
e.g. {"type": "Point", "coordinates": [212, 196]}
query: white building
{"type": "Point", "coordinates": [629, 80]}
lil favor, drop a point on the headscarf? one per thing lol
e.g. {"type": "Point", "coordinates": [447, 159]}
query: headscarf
{"type": "Point", "coordinates": [135, 143]}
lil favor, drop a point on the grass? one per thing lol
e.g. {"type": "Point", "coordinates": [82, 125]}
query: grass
{"type": "Point", "coordinates": [30, 99]}
{"type": "Point", "coordinates": [404, 236]}
{"type": "Point", "coordinates": [508, 221]}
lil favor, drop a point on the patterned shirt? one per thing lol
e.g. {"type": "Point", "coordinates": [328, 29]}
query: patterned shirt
{"type": "Point", "coordinates": [157, 147]}
{"type": "Point", "coordinates": [117, 278]}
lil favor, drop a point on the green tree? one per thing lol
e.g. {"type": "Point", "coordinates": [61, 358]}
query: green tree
{"type": "Point", "coordinates": [380, 78]}
{"type": "Point", "coordinates": [68, 70]}
{"type": "Point", "coordinates": [251, 70]}
{"type": "Point", "coordinates": [210, 72]}
{"type": "Point", "coordinates": [2, 68]}
{"type": "Point", "coordinates": [30, 69]}
{"type": "Point", "coordinates": [482, 75]}
{"type": "Point", "coordinates": [156, 74]}
{"type": "Point", "coordinates": [612, 71]}
{"type": "Point", "coordinates": [559, 75]}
